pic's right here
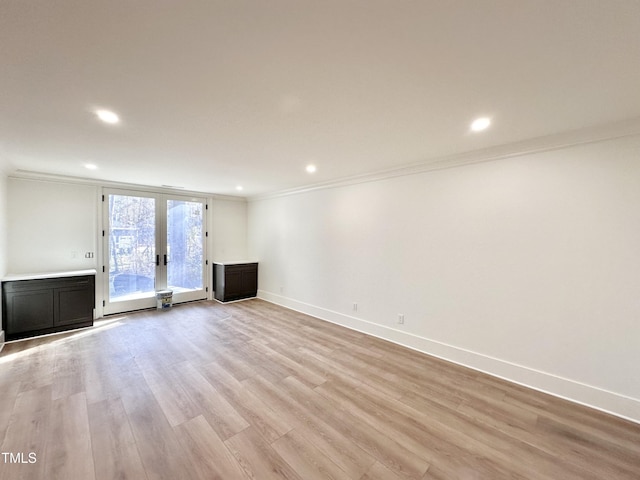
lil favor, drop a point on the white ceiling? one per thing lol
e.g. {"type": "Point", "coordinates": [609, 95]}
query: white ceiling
{"type": "Point", "coordinates": [213, 94]}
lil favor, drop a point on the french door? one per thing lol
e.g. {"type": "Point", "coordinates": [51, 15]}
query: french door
{"type": "Point", "coordinates": [152, 242]}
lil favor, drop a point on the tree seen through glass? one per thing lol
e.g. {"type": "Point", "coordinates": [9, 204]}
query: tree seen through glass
{"type": "Point", "coordinates": [132, 246]}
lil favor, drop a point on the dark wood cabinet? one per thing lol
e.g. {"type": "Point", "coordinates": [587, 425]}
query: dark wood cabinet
{"type": "Point", "coordinates": [46, 305]}
{"type": "Point", "coordinates": [235, 281]}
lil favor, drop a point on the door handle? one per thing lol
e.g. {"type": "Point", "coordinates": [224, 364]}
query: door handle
{"type": "Point", "coordinates": [157, 260]}
{"type": "Point", "coordinates": [165, 258]}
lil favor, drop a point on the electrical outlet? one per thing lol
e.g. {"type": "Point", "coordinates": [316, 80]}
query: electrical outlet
{"type": "Point", "coordinates": [400, 318]}
{"type": "Point", "coordinates": [355, 307]}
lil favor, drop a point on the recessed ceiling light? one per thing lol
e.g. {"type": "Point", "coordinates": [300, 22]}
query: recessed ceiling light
{"type": "Point", "coordinates": [311, 168]}
{"type": "Point", "coordinates": [107, 116]}
{"type": "Point", "coordinates": [239, 188]}
{"type": "Point", "coordinates": [90, 166]}
{"type": "Point", "coordinates": [480, 124]}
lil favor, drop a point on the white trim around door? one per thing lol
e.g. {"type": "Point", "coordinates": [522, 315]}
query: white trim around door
{"type": "Point", "coordinates": [151, 242]}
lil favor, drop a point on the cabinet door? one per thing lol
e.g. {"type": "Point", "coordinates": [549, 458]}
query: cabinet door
{"type": "Point", "coordinates": [27, 311]}
{"type": "Point", "coordinates": [73, 305]}
{"type": "Point", "coordinates": [249, 281]}
{"type": "Point", "coordinates": [233, 283]}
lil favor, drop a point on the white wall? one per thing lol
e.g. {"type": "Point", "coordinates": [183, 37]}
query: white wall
{"type": "Point", "coordinates": [3, 225]}
{"type": "Point", "coordinates": [51, 226]}
{"type": "Point", "coordinates": [526, 268]}
{"type": "Point", "coordinates": [3, 239]}
{"type": "Point", "coordinates": [228, 229]}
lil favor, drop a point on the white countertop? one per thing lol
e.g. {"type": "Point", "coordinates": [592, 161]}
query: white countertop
{"type": "Point", "coordinates": [238, 262]}
{"type": "Point", "coordinates": [33, 276]}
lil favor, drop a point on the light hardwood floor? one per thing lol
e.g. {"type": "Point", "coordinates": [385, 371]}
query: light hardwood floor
{"type": "Point", "coordinates": [253, 391]}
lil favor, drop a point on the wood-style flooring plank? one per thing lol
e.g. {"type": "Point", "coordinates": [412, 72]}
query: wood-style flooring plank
{"type": "Point", "coordinates": [115, 453]}
{"type": "Point", "coordinates": [175, 401]}
{"type": "Point", "coordinates": [233, 364]}
{"type": "Point", "coordinates": [269, 423]}
{"type": "Point", "coordinates": [36, 368]}
{"type": "Point", "coordinates": [380, 472]}
{"type": "Point", "coordinates": [302, 373]}
{"type": "Point", "coordinates": [29, 432]}
{"type": "Point", "coordinates": [349, 373]}
{"type": "Point", "coordinates": [306, 459]}
{"type": "Point", "coordinates": [495, 447]}
{"type": "Point", "coordinates": [69, 452]}
{"type": "Point", "coordinates": [218, 412]}
{"type": "Point", "coordinates": [104, 378]}
{"type": "Point", "coordinates": [382, 447]}
{"type": "Point", "coordinates": [258, 459]}
{"type": "Point", "coordinates": [9, 388]}
{"type": "Point", "coordinates": [210, 457]}
{"type": "Point", "coordinates": [340, 449]}
{"type": "Point", "coordinates": [421, 431]}
{"type": "Point", "coordinates": [162, 455]}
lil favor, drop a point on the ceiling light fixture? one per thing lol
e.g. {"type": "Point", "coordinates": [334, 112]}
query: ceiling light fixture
{"type": "Point", "coordinates": [311, 168]}
{"type": "Point", "coordinates": [107, 116]}
{"type": "Point", "coordinates": [480, 124]}
{"type": "Point", "coordinates": [239, 188]}
{"type": "Point", "coordinates": [90, 166]}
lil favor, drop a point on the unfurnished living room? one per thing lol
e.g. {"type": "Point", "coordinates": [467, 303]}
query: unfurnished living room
{"type": "Point", "coordinates": [302, 240]}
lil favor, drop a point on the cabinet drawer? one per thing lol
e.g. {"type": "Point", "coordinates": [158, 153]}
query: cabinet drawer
{"type": "Point", "coordinates": [249, 267]}
{"type": "Point", "coordinates": [45, 283]}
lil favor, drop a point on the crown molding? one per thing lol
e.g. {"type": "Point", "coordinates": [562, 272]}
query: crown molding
{"type": "Point", "coordinates": [561, 141]}
{"type": "Point", "coordinates": [49, 177]}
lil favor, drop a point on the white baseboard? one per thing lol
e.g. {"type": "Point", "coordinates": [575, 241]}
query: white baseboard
{"type": "Point", "coordinates": [594, 397]}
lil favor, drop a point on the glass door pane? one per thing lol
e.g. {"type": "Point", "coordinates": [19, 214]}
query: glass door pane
{"type": "Point", "coordinates": [152, 242]}
{"type": "Point", "coordinates": [131, 252]}
{"type": "Point", "coordinates": [185, 248]}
